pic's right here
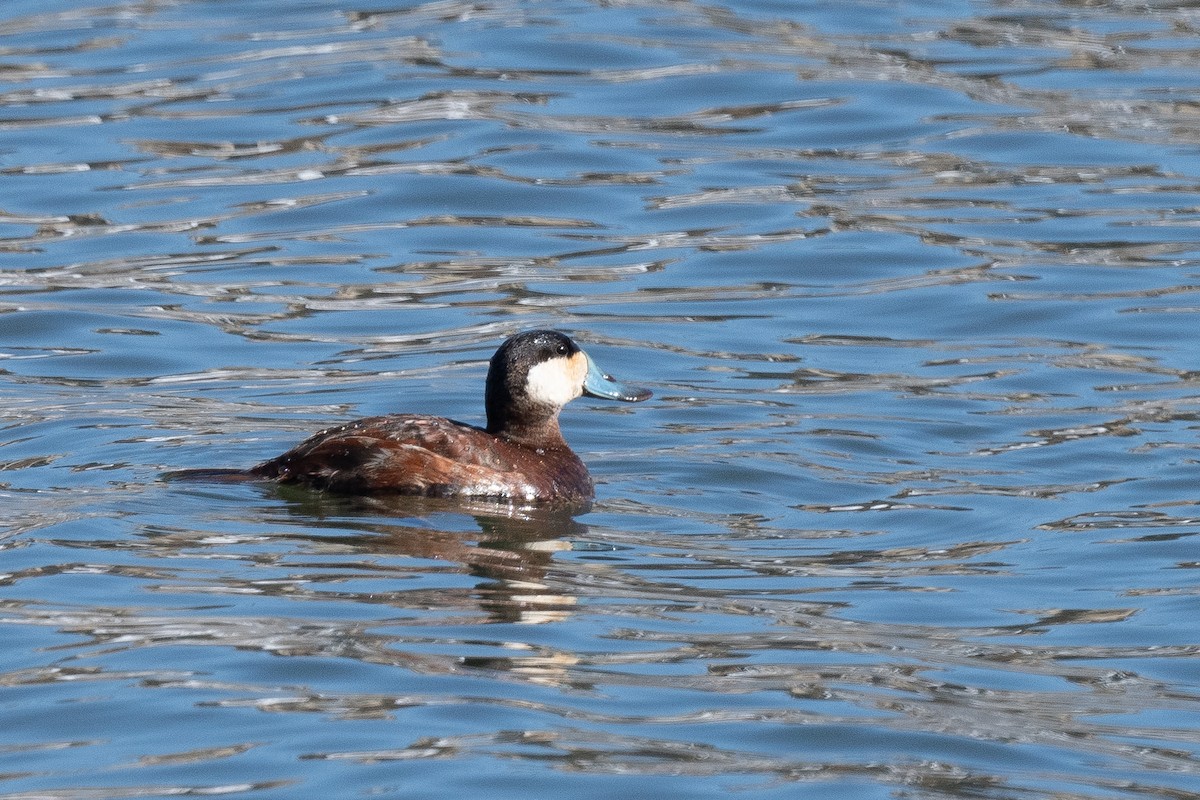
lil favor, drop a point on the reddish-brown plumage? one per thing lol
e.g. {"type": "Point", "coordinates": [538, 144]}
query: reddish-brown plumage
{"type": "Point", "coordinates": [430, 456]}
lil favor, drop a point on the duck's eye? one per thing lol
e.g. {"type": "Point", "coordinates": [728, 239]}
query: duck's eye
{"type": "Point", "coordinates": [561, 349]}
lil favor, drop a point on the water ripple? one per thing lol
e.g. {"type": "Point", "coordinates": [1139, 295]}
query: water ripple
{"type": "Point", "coordinates": [912, 510]}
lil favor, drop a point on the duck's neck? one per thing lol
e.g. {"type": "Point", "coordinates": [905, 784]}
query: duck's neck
{"type": "Point", "coordinates": [526, 423]}
{"type": "Point", "coordinates": [545, 435]}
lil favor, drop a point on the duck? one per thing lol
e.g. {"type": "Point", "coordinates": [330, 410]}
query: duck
{"type": "Point", "coordinates": [520, 455]}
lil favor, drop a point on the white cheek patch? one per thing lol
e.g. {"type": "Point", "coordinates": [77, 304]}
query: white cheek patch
{"type": "Point", "coordinates": [558, 381]}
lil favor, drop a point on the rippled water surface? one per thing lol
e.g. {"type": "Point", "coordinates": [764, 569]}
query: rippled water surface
{"type": "Point", "coordinates": [912, 513]}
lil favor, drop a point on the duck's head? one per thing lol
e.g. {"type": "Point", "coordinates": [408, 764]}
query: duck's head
{"type": "Point", "coordinates": [534, 374]}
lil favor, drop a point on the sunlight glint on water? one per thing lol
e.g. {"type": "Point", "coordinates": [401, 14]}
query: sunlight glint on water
{"type": "Point", "coordinates": [912, 511]}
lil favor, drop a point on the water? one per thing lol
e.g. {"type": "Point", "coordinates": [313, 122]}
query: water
{"type": "Point", "coordinates": [912, 511]}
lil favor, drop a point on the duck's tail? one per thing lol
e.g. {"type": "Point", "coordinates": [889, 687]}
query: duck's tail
{"type": "Point", "coordinates": [211, 475]}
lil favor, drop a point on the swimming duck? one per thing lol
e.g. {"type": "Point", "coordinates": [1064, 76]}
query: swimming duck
{"type": "Point", "coordinates": [520, 454]}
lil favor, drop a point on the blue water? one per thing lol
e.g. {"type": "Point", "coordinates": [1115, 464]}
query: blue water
{"type": "Point", "coordinates": [910, 515]}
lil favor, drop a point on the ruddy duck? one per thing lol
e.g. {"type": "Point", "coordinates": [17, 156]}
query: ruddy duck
{"type": "Point", "coordinates": [520, 455]}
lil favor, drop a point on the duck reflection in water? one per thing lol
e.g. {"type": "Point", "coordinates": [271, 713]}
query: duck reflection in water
{"type": "Point", "coordinates": [511, 552]}
{"type": "Point", "coordinates": [519, 456]}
